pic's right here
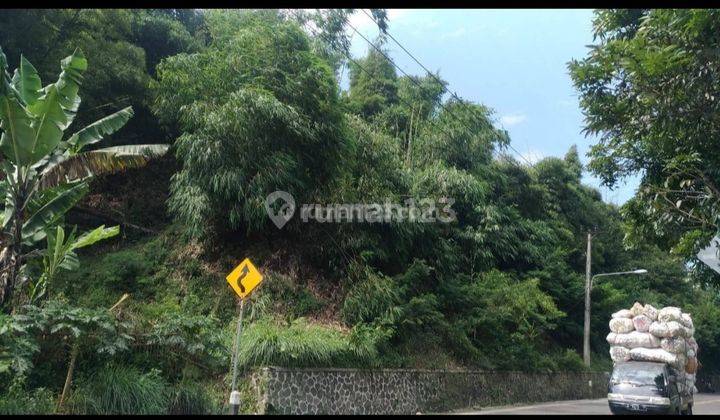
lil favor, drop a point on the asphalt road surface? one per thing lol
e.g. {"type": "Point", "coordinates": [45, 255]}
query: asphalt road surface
{"type": "Point", "coordinates": [704, 404]}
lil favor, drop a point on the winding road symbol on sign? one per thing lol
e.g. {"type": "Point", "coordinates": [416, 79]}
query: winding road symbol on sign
{"type": "Point", "coordinates": [245, 271]}
{"type": "Point", "coordinates": [244, 278]}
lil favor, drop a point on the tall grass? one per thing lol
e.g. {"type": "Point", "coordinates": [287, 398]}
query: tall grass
{"type": "Point", "coordinates": [36, 401]}
{"type": "Point", "coordinates": [121, 390]}
{"type": "Point", "coordinates": [299, 344]}
{"type": "Point", "coordinates": [190, 398]}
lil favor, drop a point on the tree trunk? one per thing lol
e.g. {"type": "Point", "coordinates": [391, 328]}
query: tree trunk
{"type": "Point", "coordinates": [409, 136]}
{"type": "Point", "coordinates": [68, 378]}
{"type": "Point", "coordinates": [73, 359]}
{"type": "Point", "coordinates": [11, 254]}
{"type": "Point", "coordinates": [9, 258]}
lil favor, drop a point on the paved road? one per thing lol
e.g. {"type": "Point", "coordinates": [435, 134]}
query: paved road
{"type": "Point", "coordinates": [704, 404]}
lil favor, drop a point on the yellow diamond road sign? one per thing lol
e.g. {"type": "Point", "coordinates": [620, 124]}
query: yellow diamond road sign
{"type": "Point", "coordinates": [244, 278]}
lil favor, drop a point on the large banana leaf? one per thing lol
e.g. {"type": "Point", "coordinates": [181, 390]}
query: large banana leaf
{"type": "Point", "coordinates": [34, 228]}
{"type": "Point", "coordinates": [18, 134]}
{"type": "Point", "coordinates": [97, 162]}
{"type": "Point", "coordinates": [43, 196]}
{"type": "Point", "coordinates": [33, 131]}
{"type": "Point", "coordinates": [3, 62]}
{"type": "Point", "coordinates": [49, 124]}
{"type": "Point", "coordinates": [95, 235]}
{"type": "Point", "coordinates": [69, 81]}
{"type": "Point", "coordinates": [61, 254]}
{"type": "Point", "coordinates": [9, 183]}
{"type": "Point", "coordinates": [27, 82]}
{"type": "Point", "coordinates": [95, 132]}
{"type": "Point", "coordinates": [148, 150]}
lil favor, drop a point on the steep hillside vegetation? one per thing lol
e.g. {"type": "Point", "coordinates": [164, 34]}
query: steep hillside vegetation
{"type": "Point", "coordinates": [251, 103]}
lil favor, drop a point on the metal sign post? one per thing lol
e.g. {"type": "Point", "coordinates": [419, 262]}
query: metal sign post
{"type": "Point", "coordinates": [234, 394]}
{"type": "Point", "coordinates": [243, 279]}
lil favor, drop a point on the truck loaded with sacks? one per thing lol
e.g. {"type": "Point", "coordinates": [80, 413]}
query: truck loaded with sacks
{"type": "Point", "coordinates": [642, 340]}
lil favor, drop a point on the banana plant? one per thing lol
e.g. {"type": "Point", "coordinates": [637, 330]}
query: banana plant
{"type": "Point", "coordinates": [60, 254]}
{"type": "Point", "coordinates": [44, 172]}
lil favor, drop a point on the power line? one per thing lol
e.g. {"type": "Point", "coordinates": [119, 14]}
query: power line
{"type": "Point", "coordinates": [431, 74]}
{"type": "Point", "coordinates": [347, 55]}
{"type": "Point", "coordinates": [415, 82]}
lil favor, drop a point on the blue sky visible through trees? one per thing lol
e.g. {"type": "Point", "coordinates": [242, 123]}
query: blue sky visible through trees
{"type": "Point", "coordinates": [513, 61]}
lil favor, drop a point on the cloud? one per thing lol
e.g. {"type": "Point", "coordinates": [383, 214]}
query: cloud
{"type": "Point", "coordinates": [512, 119]}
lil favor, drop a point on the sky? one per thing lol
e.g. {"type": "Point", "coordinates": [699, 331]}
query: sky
{"type": "Point", "coordinates": [513, 61]}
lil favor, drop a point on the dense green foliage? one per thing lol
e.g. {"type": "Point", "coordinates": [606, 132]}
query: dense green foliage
{"type": "Point", "coordinates": [119, 390]}
{"type": "Point", "coordinates": [252, 103]}
{"type": "Point", "coordinates": [649, 92]}
{"type": "Point", "coordinates": [275, 124]}
{"type": "Point", "coordinates": [45, 173]}
{"type": "Point", "coordinates": [124, 47]}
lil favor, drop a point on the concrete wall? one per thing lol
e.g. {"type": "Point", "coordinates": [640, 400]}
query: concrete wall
{"type": "Point", "coordinates": [398, 391]}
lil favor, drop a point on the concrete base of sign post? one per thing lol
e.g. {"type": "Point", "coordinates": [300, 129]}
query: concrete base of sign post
{"type": "Point", "coordinates": [235, 401]}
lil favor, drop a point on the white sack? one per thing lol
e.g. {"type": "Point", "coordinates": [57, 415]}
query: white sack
{"type": "Point", "coordinates": [637, 309]}
{"type": "Point", "coordinates": [675, 345]}
{"type": "Point", "coordinates": [636, 339]}
{"type": "Point", "coordinates": [687, 321]}
{"type": "Point", "coordinates": [689, 332]}
{"type": "Point", "coordinates": [642, 323]}
{"type": "Point", "coordinates": [621, 325]}
{"type": "Point", "coordinates": [623, 313]}
{"type": "Point", "coordinates": [650, 312]}
{"type": "Point", "coordinates": [668, 329]}
{"type": "Point", "coordinates": [611, 338]}
{"type": "Point", "coordinates": [669, 313]}
{"type": "Point", "coordinates": [653, 355]}
{"type": "Point", "coordinates": [658, 355]}
{"type": "Point", "coordinates": [619, 354]}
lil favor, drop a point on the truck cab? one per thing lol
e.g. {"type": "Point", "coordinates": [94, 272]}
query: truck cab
{"type": "Point", "coordinates": [647, 387]}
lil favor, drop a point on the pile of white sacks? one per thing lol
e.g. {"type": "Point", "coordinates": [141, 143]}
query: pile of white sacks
{"type": "Point", "coordinates": [643, 333]}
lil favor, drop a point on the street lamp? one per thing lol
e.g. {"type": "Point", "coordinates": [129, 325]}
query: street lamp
{"type": "Point", "coordinates": [588, 289]}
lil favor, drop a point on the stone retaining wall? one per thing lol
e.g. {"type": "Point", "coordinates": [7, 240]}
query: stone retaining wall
{"type": "Point", "coordinates": [707, 383]}
{"type": "Point", "coordinates": [399, 391]}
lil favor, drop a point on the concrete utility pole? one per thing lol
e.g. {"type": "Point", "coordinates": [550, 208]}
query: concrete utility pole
{"type": "Point", "coordinates": [588, 286]}
{"type": "Point", "coordinates": [588, 289]}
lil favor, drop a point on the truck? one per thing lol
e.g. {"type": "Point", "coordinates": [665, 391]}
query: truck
{"type": "Point", "coordinates": [648, 388]}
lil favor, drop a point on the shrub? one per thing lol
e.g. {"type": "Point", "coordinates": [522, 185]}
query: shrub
{"type": "Point", "coordinates": [120, 390]}
{"type": "Point", "coordinates": [374, 296]}
{"type": "Point", "coordinates": [19, 400]}
{"type": "Point", "coordinates": [570, 361]}
{"type": "Point", "coordinates": [300, 344]}
{"type": "Point", "coordinates": [183, 340]}
{"type": "Point", "coordinates": [190, 398]}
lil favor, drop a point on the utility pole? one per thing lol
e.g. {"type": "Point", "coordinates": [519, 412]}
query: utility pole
{"type": "Point", "coordinates": [588, 287]}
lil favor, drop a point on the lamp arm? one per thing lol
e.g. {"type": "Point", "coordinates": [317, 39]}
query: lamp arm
{"type": "Point", "coordinates": [610, 274]}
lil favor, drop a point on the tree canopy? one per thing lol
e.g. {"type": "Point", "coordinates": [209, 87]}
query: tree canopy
{"type": "Point", "coordinates": [649, 93]}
